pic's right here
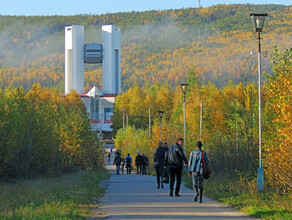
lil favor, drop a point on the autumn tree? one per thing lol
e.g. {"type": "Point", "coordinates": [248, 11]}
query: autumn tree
{"type": "Point", "coordinates": [278, 134]}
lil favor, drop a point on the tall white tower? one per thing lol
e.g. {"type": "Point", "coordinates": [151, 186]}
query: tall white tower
{"type": "Point", "coordinates": [111, 64]}
{"type": "Point", "coordinates": [74, 62]}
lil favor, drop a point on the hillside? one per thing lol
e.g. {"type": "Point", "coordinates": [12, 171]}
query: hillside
{"type": "Point", "coordinates": [157, 46]}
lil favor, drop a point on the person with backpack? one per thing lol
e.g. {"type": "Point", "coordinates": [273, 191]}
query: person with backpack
{"type": "Point", "coordinates": [159, 157]}
{"type": "Point", "coordinates": [145, 163]}
{"type": "Point", "coordinates": [128, 161]}
{"type": "Point", "coordinates": [198, 158]}
{"type": "Point", "coordinates": [139, 163]}
{"type": "Point", "coordinates": [118, 161]}
{"type": "Point", "coordinates": [175, 161]}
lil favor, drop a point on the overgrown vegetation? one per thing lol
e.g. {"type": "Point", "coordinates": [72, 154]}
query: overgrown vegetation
{"type": "Point", "coordinates": [66, 197]}
{"type": "Point", "coordinates": [43, 133]}
{"type": "Point", "coordinates": [242, 194]}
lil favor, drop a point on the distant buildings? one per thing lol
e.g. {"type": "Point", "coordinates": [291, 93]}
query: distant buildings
{"type": "Point", "coordinates": [99, 104]}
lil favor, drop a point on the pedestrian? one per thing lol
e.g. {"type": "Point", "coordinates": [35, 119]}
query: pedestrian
{"type": "Point", "coordinates": [109, 157]}
{"type": "Point", "coordinates": [159, 157]}
{"type": "Point", "coordinates": [145, 163]}
{"type": "Point", "coordinates": [117, 161]}
{"type": "Point", "coordinates": [174, 162]}
{"type": "Point", "coordinates": [128, 161]}
{"type": "Point", "coordinates": [139, 163]}
{"type": "Point", "coordinates": [122, 164]}
{"type": "Point", "coordinates": [196, 170]}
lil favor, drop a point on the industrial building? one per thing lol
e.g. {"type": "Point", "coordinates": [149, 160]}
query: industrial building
{"type": "Point", "coordinates": [99, 104]}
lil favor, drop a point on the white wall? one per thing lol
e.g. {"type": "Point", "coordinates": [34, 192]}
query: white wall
{"type": "Point", "coordinates": [111, 62]}
{"type": "Point", "coordinates": [74, 64]}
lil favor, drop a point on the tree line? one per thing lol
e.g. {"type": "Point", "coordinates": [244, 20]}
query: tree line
{"type": "Point", "coordinates": [44, 133]}
{"type": "Point", "coordinates": [157, 46]}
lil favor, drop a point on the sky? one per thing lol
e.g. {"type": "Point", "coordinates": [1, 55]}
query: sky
{"type": "Point", "coordinates": [97, 7]}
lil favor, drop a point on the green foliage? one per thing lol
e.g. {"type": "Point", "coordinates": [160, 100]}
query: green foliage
{"type": "Point", "coordinates": [64, 197]}
{"type": "Point", "coordinates": [131, 141]}
{"type": "Point", "coordinates": [44, 134]}
{"type": "Point", "coordinates": [278, 123]}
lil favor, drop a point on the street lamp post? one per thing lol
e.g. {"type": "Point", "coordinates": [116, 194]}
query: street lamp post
{"type": "Point", "coordinates": [201, 121]}
{"type": "Point", "coordinates": [149, 121]}
{"type": "Point", "coordinates": [258, 22]}
{"type": "Point", "coordinates": [184, 90]}
{"type": "Point", "coordinates": [123, 118]}
{"type": "Point", "coordinates": [160, 116]}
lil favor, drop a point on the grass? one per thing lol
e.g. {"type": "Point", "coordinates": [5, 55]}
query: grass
{"type": "Point", "coordinates": [66, 197]}
{"type": "Point", "coordinates": [242, 195]}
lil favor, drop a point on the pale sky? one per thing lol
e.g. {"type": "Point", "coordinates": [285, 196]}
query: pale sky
{"type": "Point", "coordinates": [73, 7]}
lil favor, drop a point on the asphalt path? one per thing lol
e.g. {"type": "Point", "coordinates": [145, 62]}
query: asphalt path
{"type": "Point", "coordinates": [131, 196]}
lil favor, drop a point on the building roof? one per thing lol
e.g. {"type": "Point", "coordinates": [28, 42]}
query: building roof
{"type": "Point", "coordinates": [81, 95]}
{"type": "Point", "coordinates": [109, 95]}
{"type": "Point", "coordinates": [94, 92]}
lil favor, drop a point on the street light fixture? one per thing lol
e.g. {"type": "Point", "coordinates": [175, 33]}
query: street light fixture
{"type": "Point", "coordinates": [160, 116]}
{"type": "Point", "coordinates": [258, 22]}
{"type": "Point", "coordinates": [184, 90]}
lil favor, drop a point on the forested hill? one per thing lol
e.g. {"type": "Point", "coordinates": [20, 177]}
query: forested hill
{"type": "Point", "coordinates": [157, 46]}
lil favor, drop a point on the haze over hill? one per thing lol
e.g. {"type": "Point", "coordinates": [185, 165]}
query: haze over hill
{"type": "Point", "coordinates": [157, 46]}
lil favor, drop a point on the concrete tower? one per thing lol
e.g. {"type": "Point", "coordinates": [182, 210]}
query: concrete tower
{"type": "Point", "coordinates": [74, 62]}
{"type": "Point", "coordinates": [111, 64]}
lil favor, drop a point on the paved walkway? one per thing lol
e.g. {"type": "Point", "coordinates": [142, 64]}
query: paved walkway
{"type": "Point", "coordinates": [136, 197]}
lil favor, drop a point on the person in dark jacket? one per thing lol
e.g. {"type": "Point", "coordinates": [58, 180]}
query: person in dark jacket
{"type": "Point", "coordinates": [118, 161]}
{"type": "Point", "coordinates": [196, 169]}
{"type": "Point", "coordinates": [145, 163]}
{"type": "Point", "coordinates": [159, 157]}
{"type": "Point", "coordinates": [139, 163]}
{"type": "Point", "coordinates": [175, 161]}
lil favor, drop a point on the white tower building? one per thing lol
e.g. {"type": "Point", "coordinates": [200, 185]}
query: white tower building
{"type": "Point", "coordinates": [99, 105]}
{"type": "Point", "coordinates": [74, 62]}
{"type": "Point", "coordinates": [111, 66]}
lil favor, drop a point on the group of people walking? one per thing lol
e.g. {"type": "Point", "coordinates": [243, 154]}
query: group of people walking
{"type": "Point", "coordinates": [169, 163]}
{"type": "Point", "coordinates": [141, 161]}
{"type": "Point", "coordinates": [172, 160]}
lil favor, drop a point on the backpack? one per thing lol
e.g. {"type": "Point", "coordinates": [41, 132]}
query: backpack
{"type": "Point", "coordinates": [119, 159]}
{"type": "Point", "coordinates": [128, 160]}
{"type": "Point", "coordinates": [206, 168]}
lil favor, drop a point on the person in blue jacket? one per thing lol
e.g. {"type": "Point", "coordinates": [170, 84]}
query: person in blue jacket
{"type": "Point", "coordinates": [196, 170]}
{"type": "Point", "coordinates": [128, 161]}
